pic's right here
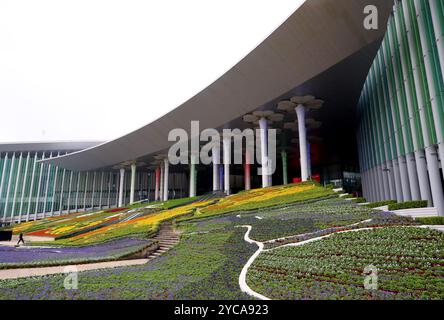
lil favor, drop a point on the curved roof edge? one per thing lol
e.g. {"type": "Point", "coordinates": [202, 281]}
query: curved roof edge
{"type": "Point", "coordinates": [32, 146]}
{"type": "Point", "coordinates": [317, 36]}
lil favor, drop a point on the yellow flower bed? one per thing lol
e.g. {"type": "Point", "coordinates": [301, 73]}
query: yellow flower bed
{"type": "Point", "coordinates": [256, 196]}
{"type": "Point", "coordinates": [139, 225]}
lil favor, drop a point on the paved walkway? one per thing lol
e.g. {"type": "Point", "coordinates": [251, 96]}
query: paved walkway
{"type": "Point", "coordinates": [33, 272]}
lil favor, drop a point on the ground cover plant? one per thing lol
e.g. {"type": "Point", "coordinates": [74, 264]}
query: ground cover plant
{"type": "Point", "coordinates": [410, 265]}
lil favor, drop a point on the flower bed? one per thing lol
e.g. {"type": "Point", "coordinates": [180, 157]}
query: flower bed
{"type": "Point", "coordinates": [11, 257]}
{"type": "Point", "coordinates": [201, 266]}
{"type": "Point", "coordinates": [410, 265]}
{"type": "Point", "coordinates": [267, 197]}
{"type": "Point", "coordinates": [144, 225]}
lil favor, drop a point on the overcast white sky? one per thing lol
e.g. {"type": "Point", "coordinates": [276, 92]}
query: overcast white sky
{"type": "Point", "coordinates": [97, 69]}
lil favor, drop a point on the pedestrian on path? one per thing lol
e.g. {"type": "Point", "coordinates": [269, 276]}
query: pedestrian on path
{"type": "Point", "coordinates": [20, 239]}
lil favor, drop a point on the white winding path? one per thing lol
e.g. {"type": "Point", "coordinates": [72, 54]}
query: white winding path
{"type": "Point", "coordinates": [243, 275]}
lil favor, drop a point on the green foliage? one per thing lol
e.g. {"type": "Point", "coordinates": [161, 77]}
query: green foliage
{"type": "Point", "coordinates": [408, 205]}
{"type": "Point", "coordinates": [408, 261]}
{"type": "Point", "coordinates": [431, 220]}
{"type": "Point", "coordinates": [381, 203]}
{"type": "Point", "coordinates": [360, 200]}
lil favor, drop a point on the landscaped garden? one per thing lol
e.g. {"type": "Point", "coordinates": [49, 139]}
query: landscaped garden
{"type": "Point", "coordinates": [409, 262]}
{"type": "Point", "coordinates": [11, 257]}
{"type": "Point", "coordinates": [207, 262]}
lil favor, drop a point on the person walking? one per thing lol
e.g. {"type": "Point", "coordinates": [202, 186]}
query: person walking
{"type": "Point", "coordinates": [20, 239]}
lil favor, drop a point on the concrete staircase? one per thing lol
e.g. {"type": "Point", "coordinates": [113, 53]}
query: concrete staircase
{"type": "Point", "coordinates": [417, 212]}
{"type": "Point", "coordinates": [167, 239]}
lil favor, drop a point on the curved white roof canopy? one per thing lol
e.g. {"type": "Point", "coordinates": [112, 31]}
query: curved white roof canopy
{"type": "Point", "coordinates": [319, 35]}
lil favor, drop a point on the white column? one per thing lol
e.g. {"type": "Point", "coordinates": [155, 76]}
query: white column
{"type": "Point", "coordinates": [264, 152]}
{"type": "Point", "coordinates": [101, 189]}
{"type": "Point", "coordinates": [420, 161]}
{"type": "Point", "coordinates": [68, 203]}
{"type": "Point", "coordinates": [39, 186]}
{"type": "Point", "coordinates": [25, 181]}
{"type": "Point", "coordinates": [192, 176]}
{"type": "Point", "coordinates": [423, 177]}
{"type": "Point", "coordinates": [2, 182]}
{"type": "Point", "coordinates": [216, 162]}
{"type": "Point", "coordinates": [110, 179]}
{"type": "Point", "coordinates": [17, 179]}
{"type": "Point", "coordinates": [93, 194]}
{"type": "Point", "coordinates": [227, 161]}
{"type": "Point", "coordinates": [166, 177]}
{"type": "Point", "coordinates": [433, 90]}
{"type": "Point", "coordinates": [430, 151]}
{"type": "Point", "coordinates": [9, 186]}
{"type": "Point", "coordinates": [122, 176]}
{"type": "Point", "coordinates": [85, 193]}
{"type": "Point", "coordinates": [300, 111]}
{"type": "Point", "coordinates": [413, 176]}
{"type": "Point", "coordinates": [31, 188]}
{"type": "Point", "coordinates": [76, 205]}
{"type": "Point", "coordinates": [62, 190]}
{"type": "Point", "coordinates": [398, 183]}
{"type": "Point", "coordinates": [133, 182]}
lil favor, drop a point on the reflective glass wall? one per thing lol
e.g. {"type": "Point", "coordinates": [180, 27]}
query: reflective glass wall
{"type": "Point", "coordinates": [401, 109]}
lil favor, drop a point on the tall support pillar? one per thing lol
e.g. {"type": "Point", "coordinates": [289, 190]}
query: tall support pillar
{"type": "Point", "coordinates": [433, 85]}
{"type": "Point", "coordinates": [122, 177]}
{"type": "Point", "coordinates": [166, 177]}
{"type": "Point", "coordinates": [133, 182]}
{"type": "Point", "coordinates": [247, 170]}
{"type": "Point", "coordinates": [221, 178]}
{"type": "Point", "coordinates": [406, 194]}
{"type": "Point", "coordinates": [227, 161]}
{"type": "Point", "coordinates": [216, 162]}
{"type": "Point", "coordinates": [398, 183]}
{"type": "Point", "coordinates": [423, 177]}
{"type": "Point", "coordinates": [263, 123]}
{"type": "Point", "coordinates": [435, 179]}
{"type": "Point", "coordinates": [193, 176]}
{"type": "Point", "coordinates": [413, 176]}
{"type": "Point", "coordinates": [162, 180]}
{"type": "Point", "coordinates": [284, 167]}
{"type": "Point", "coordinates": [430, 150]}
{"type": "Point", "coordinates": [420, 174]}
{"type": "Point", "coordinates": [157, 187]}
{"type": "Point", "coordinates": [385, 181]}
{"type": "Point", "coordinates": [300, 111]}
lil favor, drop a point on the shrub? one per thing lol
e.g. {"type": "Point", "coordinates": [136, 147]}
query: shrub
{"type": "Point", "coordinates": [360, 200]}
{"type": "Point", "coordinates": [431, 220]}
{"type": "Point", "coordinates": [381, 203]}
{"type": "Point", "coordinates": [408, 205]}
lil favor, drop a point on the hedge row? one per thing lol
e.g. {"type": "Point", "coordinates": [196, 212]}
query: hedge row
{"type": "Point", "coordinates": [381, 203]}
{"type": "Point", "coordinates": [431, 220]}
{"type": "Point", "coordinates": [408, 205]}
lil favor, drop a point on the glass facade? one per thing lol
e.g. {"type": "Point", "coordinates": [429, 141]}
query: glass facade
{"type": "Point", "coordinates": [401, 109]}
{"type": "Point", "coordinates": [31, 190]}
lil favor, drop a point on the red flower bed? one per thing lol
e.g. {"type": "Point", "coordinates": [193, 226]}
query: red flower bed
{"type": "Point", "coordinates": [115, 210]}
